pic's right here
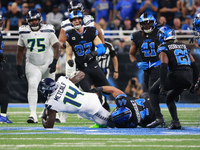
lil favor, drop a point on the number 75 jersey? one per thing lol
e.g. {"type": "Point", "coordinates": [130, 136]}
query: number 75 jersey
{"type": "Point", "coordinates": [38, 43]}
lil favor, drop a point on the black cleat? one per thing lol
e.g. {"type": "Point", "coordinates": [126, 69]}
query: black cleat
{"type": "Point", "coordinates": [157, 122]}
{"type": "Point", "coordinates": [57, 120]}
{"type": "Point", "coordinates": [175, 125]}
{"type": "Point", "coordinates": [31, 120]}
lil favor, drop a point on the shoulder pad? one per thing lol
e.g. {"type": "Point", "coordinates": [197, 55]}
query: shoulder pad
{"type": "Point", "coordinates": [47, 28]}
{"type": "Point", "coordinates": [24, 29]}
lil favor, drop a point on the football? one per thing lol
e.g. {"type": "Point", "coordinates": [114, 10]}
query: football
{"type": "Point", "coordinates": [77, 76]}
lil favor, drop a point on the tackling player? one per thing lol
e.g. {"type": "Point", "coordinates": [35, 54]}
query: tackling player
{"type": "Point", "coordinates": [41, 61]}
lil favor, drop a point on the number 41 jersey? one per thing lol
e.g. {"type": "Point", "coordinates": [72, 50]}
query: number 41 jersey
{"type": "Point", "coordinates": [38, 43]}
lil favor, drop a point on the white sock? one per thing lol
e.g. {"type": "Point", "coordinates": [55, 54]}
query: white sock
{"type": "Point", "coordinates": [2, 114]}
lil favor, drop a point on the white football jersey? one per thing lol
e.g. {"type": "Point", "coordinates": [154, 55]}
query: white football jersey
{"type": "Point", "coordinates": [88, 20]}
{"type": "Point", "coordinates": [68, 98]}
{"type": "Point", "coordinates": [38, 43]}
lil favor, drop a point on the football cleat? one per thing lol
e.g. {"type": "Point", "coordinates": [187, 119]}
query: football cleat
{"type": "Point", "coordinates": [31, 120]}
{"type": "Point", "coordinates": [175, 125]}
{"type": "Point", "coordinates": [4, 120]}
{"type": "Point", "coordinates": [157, 122]}
{"type": "Point", "coordinates": [98, 126]}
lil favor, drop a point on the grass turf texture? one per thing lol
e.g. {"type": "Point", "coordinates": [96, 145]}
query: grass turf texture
{"type": "Point", "coordinates": [20, 139]}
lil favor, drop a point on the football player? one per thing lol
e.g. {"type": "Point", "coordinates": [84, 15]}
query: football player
{"type": "Point", "coordinates": [130, 111]}
{"type": "Point", "coordinates": [183, 73]}
{"type": "Point", "coordinates": [88, 20]}
{"type": "Point", "coordinates": [41, 61]}
{"type": "Point", "coordinates": [65, 96]}
{"type": "Point", "coordinates": [82, 41]}
{"type": "Point", "coordinates": [3, 81]}
{"type": "Point", "coordinates": [196, 27]}
{"type": "Point", "coordinates": [146, 42]}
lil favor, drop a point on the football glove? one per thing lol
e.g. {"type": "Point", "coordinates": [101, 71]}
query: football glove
{"type": "Point", "coordinates": [70, 63]}
{"type": "Point", "coordinates": [142, 65]}
{"type": "Point", "coordinates": [90, 56]}
{"type": "Point", "coordinates": [52, 66]}
{"type": "Point", "coordinates": [20, 72]}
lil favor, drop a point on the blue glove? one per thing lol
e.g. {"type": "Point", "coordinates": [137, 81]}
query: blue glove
{"type": "Point", "coordinates": [142, 65]}
{"type": "Point", "coordinates": [199, 42]}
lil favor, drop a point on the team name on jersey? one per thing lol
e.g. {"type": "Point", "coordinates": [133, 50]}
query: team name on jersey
{"type": "Point", "coordinates": [60, 91]}
{"type": "Point", "coordinates": [174, 46]}
{"type": "Point", "coordinates": [136, 110]}
{"type": "Point", "coordinates": [147, 40]}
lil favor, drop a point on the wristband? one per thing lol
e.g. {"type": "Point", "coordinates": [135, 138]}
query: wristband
{"type": "Point", "coordinates": [134, 62]}
{"type": "Point", "coordinates": [116, 71]}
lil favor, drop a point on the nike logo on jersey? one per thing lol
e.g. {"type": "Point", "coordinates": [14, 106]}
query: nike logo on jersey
{"type": "Point", "coordinates": [96, 66]}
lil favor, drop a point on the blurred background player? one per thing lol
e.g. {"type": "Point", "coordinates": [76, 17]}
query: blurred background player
{"type": "Point", "coordinates": [183, 73]}
{"type": "Point", "coordinates": [85, 104]}
{"type": "Point", "coordinates": [3, 81]}
{"type": "Point", "coordinates": [41, 61]}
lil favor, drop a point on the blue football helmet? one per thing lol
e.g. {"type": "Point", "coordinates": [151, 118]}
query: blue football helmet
{"type": "Point", "coordinates": [166, 33]}
{"type": "Point", "coordinates": [76, 14]}
{"type": "Point", "coordinates": [196, 23]}
{"type": "Point", "coordinates": [47, 86]}
{"type": "Point", "coordinates": [75, 5]}
{"type": "Point", "coordinates": [31, 15]}
{"type": "Point", "coordinates": [120, 116]}
{"type": "Point", "coordinates": [147, 22]}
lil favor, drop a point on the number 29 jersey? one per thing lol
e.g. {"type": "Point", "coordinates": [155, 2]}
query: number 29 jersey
{"type": "Point", "coordinates": [147, 45]}
{"type": "Point", "coordinates": [38, 43]}
{"type": "Point", "coordinates": [82, 44]}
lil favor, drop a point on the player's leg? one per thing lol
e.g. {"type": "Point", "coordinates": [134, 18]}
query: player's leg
{"type": "Point", "coordinates": [154, 92]}
{"type": "Point", "coordinates": [3, 97]}
{"type": "Point", "coordinates": [33, 75]}
{"type": "Point", "coordinates": [102, 119]}
{"type": "Point", "coordinates": [170, 100]}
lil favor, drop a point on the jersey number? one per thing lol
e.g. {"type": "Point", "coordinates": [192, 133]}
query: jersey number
{"type": "Point", "coordinates": [70, 96]}
{"type": "Point", "coordinates": [144, 112]}
{"type": "Point", "coordinates": [182, 57]}
{"type": "Point", "coordinates": [83, 49]}
{"type": "Point", "coordinates": [148, 49]}
{"type": "Point", "coordinates": [37, 42]}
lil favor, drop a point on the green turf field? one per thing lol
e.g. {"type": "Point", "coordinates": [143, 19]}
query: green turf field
{"type": "Point", "coordinates": [20, 139]}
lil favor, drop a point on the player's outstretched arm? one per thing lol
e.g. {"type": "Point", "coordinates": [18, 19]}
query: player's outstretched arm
{"type": "Point", "coordinates": [113, 90]}
{"type": "Point", "coordinates": [49, 119]}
